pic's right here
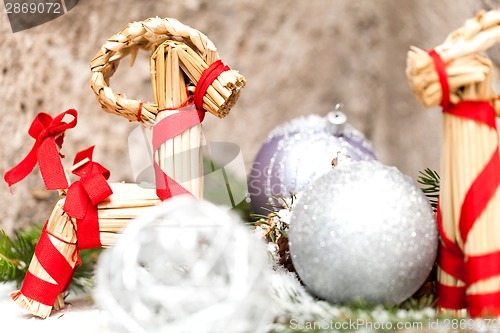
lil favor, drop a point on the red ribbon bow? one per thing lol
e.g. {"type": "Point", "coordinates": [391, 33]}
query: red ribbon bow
{"type": "Point", "coordinates": [49, 136]}
{"type": "Point", "coordinates": [84, 195]}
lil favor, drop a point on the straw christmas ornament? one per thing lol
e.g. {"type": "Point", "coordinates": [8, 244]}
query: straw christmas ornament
{"type": "Point", "coordinates": [90, 214]}
{"type": "Point", "coordinates": [188, 79]}
{"type": "Point", "coordinates": [456, 76]}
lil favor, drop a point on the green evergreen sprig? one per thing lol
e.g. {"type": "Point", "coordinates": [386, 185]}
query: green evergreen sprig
{"type": "Point", "coordinates": [16, 253]}
{"type": "Point", "coordinates": [274, 224]}
{"type": "Point", "coordinates": [430, 182]}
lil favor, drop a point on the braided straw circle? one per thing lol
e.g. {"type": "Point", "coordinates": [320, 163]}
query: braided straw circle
{"type": "Point", "coordinates": [147, 35]}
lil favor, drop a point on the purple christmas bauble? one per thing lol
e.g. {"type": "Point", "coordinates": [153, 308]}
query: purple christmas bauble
{"type": "Point", "coordinates": [300, 151]}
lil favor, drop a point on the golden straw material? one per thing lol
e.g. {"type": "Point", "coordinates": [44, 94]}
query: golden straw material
{"type": "Point", "coordinates": [468, 145]}
{"type": "Point", "coordinates": [127, 202]}
{"type": "Point", "coordinates": [465, 66]}
{"type": "Point", "coordinates": [180, 157]}
{"type": "Point", "coordinates": [424, 80]}
{"type": "Point", "coordinates": [147, 35]}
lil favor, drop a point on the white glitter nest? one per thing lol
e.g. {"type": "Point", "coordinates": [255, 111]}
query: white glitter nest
{"type": "Point", "coordinates": [187, 267]}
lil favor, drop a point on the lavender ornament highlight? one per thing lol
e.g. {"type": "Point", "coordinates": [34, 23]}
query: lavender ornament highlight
{"type": "Point", "coordinates": [299, 151]}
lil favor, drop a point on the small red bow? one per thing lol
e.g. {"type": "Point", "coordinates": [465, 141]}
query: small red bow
{"type": "Point", "coordinates": [49, 136]}
{"type": "Point", "coordinates": [84, 195]}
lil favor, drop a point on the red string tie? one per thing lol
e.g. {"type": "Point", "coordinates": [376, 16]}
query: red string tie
{"type": "Point", "coordinates": [440, 67]}
{"type": "Point", "coordinates": [139, 112]}
{"type": "Point", "coordinates": [208, 76]}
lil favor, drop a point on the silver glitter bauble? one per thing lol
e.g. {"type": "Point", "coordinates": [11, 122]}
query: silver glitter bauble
{"type": "Point", "coordinates": [363, 231]}
{"type": "Point", "coordinates": [188, 266]}
{"type": "Point", "coordinates": [299, 151]}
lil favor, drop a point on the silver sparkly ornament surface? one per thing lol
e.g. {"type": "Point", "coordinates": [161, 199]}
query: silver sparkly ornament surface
{"type": "Point", "coordinates": [363, 231]}
{"type": "Point", "coordinates": [189, 266]}
{"type": "Point", "coordinates": [299, 151]}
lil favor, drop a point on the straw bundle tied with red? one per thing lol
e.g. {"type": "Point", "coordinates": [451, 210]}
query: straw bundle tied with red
{"type": "Point", "coordinates": [455, 76]}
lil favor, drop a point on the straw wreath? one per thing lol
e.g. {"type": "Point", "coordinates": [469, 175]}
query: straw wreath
{"type": "Point", "coordinates": [467, 145]}
{"type": "Point", "coordinates": [147, 35]}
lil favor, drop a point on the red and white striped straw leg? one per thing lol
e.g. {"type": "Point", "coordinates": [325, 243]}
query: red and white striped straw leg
{"type": "Point", "coordinates": [52, 266]}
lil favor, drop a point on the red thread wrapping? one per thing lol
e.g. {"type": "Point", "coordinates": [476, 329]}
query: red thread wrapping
{"type": "Point", "coordinates": [139, 112]}
{"type": "Point", "coordinates": [443, 78]}
{"type": "Point", "coordinates": [81, 203]}
{"type": "Point", "coordinates": [38, 289]}
{"type": "Point", "coordinates": [208, 76]}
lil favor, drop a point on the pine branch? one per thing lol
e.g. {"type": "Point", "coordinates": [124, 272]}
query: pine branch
{"type": "Point", "coordinates": [430, 182]}
{"type": "Point", "coordinates": [8, 265]}
{"type": "Point", "coordinates": [16, 253]}
{"type": "Point", "coordinates": [274, 225]}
